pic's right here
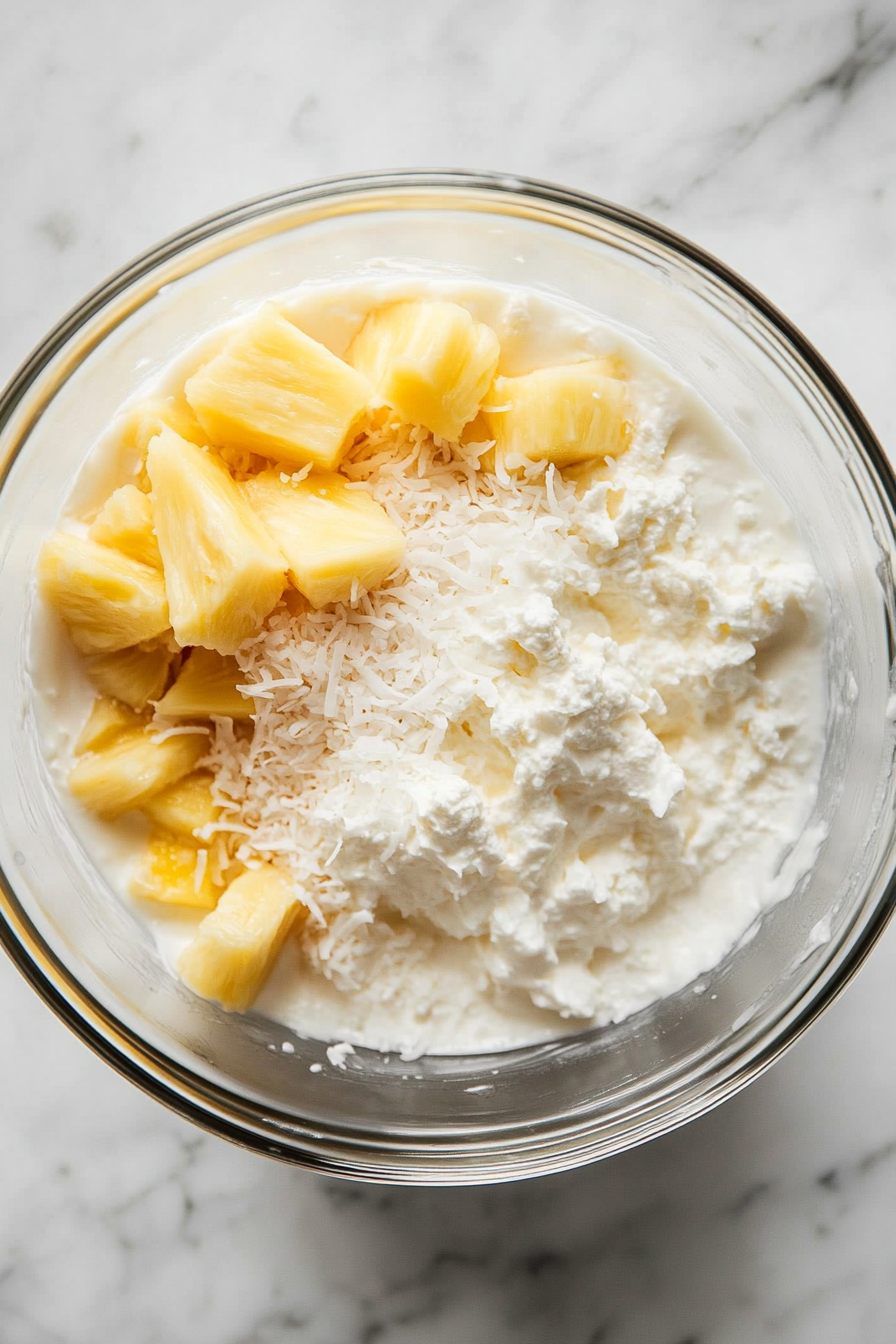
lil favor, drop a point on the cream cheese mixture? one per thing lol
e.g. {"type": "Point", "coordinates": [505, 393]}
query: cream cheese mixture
{"type": "Point", "coordinates": [555, 767]}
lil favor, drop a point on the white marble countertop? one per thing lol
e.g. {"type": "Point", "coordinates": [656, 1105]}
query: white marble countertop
{"type": "Point", "coordinates": [765, 132]}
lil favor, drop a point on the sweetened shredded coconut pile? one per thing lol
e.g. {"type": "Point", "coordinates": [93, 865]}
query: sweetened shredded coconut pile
{"type": "Point", "coordinates": [541, 734]}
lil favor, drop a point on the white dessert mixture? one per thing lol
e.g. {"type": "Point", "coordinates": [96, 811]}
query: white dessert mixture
{"type": "Point", "coordinates": [549, 772]}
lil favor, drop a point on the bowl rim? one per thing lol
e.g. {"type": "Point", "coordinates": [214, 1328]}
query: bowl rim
{"type": "Point", "coordinates": [345, 1151]}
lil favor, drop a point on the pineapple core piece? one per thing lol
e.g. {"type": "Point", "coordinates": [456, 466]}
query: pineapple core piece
{"type": "Point", "coordinates": [175, 871]}
{"type": "Point", "coordinates": [183, 807]}
{"type": "Point", "coordinates": [125, 521]}
{"type": "Point", "coordinates": [135, 676]}
{"type": "Point", "coordinates": [132, 769]}
{"type": "Point", "coordinates": [237, 944]}
{"type": "Point", "coordinates": [430, 361]}
{"type": "Point", "coordinates": [563, 415]}
{"type": "Point", "coordinates": [107, 720]}
{"type": "Point", "coordinates": [331, 536]}
{"type": "Point", "coordinates": [223, 572]}
{"type": "Point", "coordinates": [275, 391]}
{"type": "Point", "coordinates": [107, 600]}
{"type": "Point", "coordinates": [206, 684]}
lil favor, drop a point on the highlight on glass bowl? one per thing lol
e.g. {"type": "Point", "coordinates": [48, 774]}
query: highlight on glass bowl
{"type": "Point", "coordinates": [446, 715]}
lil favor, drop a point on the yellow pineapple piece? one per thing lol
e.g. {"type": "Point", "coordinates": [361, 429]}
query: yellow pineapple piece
{"type": "Point", "coordinates": [129, 771]}
{"type": "Point", "coordinates": [237, 944]}
{"type": "Point", "coordinates": [125, 522]}
{"type": "Point", "coordinates": [223, 572]}
{"type": "Point", "coordinates": [150, 417]}
{"type": "Point", "coordinates": [175, 871]}
{"type": "Point", "coordinates": [107, 600]}
{"type": "Point", "coordinates": [563, 415]}
{"type": "Point", "coordinates": [275, 391]}
{"type": "Point", "coordinates": [332, 536]}
{"type": "Point", "coordinates": [135, 676]}
{"type": "Point", "coordinates": [206, 684]}
{"type": "Point", "coordinates": [175, 412]}
{"type": "Point", "coordinates": [185, 806]}
{"type": "Point", "coordinates": [430, 361]}
{"type": "Point", "coordinates": [107, 720]}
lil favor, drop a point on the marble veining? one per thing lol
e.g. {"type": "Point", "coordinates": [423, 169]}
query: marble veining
{"type": "Point", "coordinates": [763, 131]}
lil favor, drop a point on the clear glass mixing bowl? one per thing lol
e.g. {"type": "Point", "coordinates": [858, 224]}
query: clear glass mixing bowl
{"type": "Point", "coordinates": [458, 1120]}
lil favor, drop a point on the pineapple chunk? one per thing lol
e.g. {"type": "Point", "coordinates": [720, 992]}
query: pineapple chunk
{"type": "Point", "coordinates": [185, 806]}
{"type": "Point", "coordinates": [331, 535]}
{"type": "Point", "coordinates": [430, 361]}
{"type": "Point", "coordinates": [107, 600]}
{"type": "Point", "coordinates": [562, 415]}
{"type": "Point", "coordinates": [206, 684]}
{"type": "Point", "coordinates": [174, 412]}
{"type": "Point", "coordinates": [148, 419]}
{"type": "Point", "coordinates": [107, 720]}
{"type": "Point", "coordinates": [237, 944]}
{"type": "Point", "coordinates": [222, 571]}
{"type": "Point", "coordinates": [176, 872]}
{"type": "Point", "coordinates": [275, 391]}
{"type": "Point", "coordinates": [125, 522]}
{"type": "Point", "coordinates": [132, 769]}
{"type": "Point", "coordinates": [151, 417]}
{"type": "Point", "coordinates": [135, 676]}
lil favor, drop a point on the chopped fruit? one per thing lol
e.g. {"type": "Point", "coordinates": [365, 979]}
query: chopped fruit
{"type": "Point", "coordinates": [107, 600]}
{"type": "Point", "coordinates": [108, 719]}
{"type": "Point", "coordinates": [135, 676]}
{"type": "Point", "coordinates": [173, 412]}
{"type": "Point", "coordinates": [275, 391]}
{"type": "Point", "coordinates": [562, 415]}
{"type": "Point", "coordinates": [175, 871]}
{"type": "Point", "coordinates": [185, 806]}
{"type": "Point", "coordinates": [133, 768]}
{"type": "Point", "coordinates": [222, 571]}
{"type": "Point", "coordinates": [125, 522]}
{"type": "Point", "coordinates": [149, 418]}
{"type": "Point", "coordinates": [206, 684]}
{"type": "Point", "coordinates": [430, 361]}
{"type": "Point", "coordinates": [333, 537]}
{"type": "Point", "coordinates": [237, 944]}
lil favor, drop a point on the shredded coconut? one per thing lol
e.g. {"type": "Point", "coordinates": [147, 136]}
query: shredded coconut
{"type": "Point", "coordinates": [337, 1054]}
{"type": "Point", "coordinates": [182, 730]}
{"type": "Point", "coordinates": [199, 871]}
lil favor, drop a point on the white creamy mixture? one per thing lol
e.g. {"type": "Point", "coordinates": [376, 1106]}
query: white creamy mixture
{"type": "Point", "coordinates": [549, 772]}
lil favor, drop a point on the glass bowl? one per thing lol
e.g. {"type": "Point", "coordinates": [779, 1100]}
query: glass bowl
{"type": "Point", "coordinates": [458, 1120]}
